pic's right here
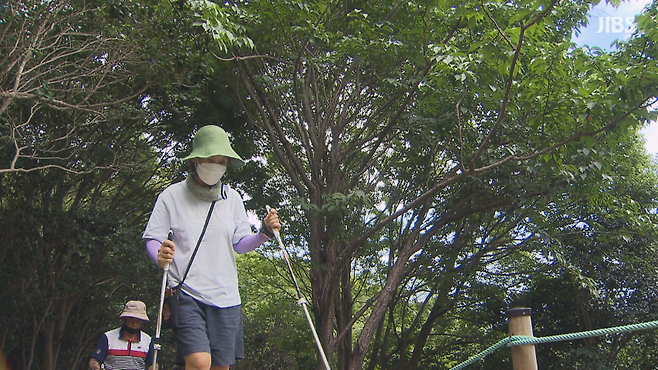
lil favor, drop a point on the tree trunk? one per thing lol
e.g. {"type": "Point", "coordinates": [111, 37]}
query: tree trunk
{"type": "Point", "coordinates": [394, 278]}
{"type": "Point", "coordinates": [343, 316]}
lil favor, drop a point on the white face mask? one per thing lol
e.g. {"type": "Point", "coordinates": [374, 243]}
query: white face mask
{"type": "Point", "coordinates": [210, 173]}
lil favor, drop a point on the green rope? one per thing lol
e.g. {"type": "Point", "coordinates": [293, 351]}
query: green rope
{"type": "Point", "coordinates": [520, 340]}
{"type": "Point", "coordinates": [486, 352]}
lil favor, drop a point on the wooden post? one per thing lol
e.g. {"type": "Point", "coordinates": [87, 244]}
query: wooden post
{"type": "Point", "coordinates": [520, 323]}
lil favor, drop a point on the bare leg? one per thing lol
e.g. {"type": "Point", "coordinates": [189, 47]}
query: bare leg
{"type": "Point", "coordinates": [201, 361]}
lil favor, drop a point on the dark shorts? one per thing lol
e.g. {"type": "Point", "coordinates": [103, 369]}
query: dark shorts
{"type": "Point", "coordinates": [204, 328]}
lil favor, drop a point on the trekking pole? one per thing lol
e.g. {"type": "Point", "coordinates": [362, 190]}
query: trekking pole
{"type": "Point", "coordinates": [158, 325]}
{"type": "Point", "coordinates": [301, 300]}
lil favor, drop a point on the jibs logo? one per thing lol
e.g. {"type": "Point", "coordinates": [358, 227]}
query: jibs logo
{"type": "Point", "coordinates": [616, 24]}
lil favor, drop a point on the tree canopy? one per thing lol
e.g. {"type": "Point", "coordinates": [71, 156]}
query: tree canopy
{"type": "Point", "coordinates": [427, 129]}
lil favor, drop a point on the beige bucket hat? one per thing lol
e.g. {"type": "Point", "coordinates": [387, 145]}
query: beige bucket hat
{"type": "Point", "coordinates": [135, 309]}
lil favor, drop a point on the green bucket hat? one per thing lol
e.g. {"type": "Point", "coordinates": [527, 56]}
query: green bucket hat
{"type": "Point", "coordinates": [210, 141]}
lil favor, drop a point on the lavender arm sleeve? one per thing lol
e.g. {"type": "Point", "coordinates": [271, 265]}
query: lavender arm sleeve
{"type": "Point", "coordinates": [249, 243]}
{"type": "Point", "coordinates": [152, 247]}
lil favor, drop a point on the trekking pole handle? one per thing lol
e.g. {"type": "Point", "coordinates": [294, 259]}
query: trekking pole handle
{"type": "Point", "coordinates": [274, 231]}
{"type": "Point", "coordinates": [169, 237]}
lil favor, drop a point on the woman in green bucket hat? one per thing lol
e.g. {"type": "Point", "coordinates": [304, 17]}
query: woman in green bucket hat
{"type": "Point", "coordinates": [212, 141]}
{"type": "Point", "coordinates": [209, 331]}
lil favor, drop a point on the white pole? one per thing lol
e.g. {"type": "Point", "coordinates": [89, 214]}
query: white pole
{"type": "Point", "coordinates": [301, 300]}
{"type": "Point", "coordinates": [158, 325]}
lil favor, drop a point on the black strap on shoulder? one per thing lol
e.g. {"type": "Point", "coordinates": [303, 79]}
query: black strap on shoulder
{"type": "Point", "coordinates": [198, 243]}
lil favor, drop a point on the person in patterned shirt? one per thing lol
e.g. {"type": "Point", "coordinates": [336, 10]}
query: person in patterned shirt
{"type": "Point", "coordinates": [126, 347]}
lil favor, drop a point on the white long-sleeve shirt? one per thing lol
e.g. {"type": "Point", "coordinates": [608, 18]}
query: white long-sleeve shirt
{"type": "Point", "coordinates": [213, 277]}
